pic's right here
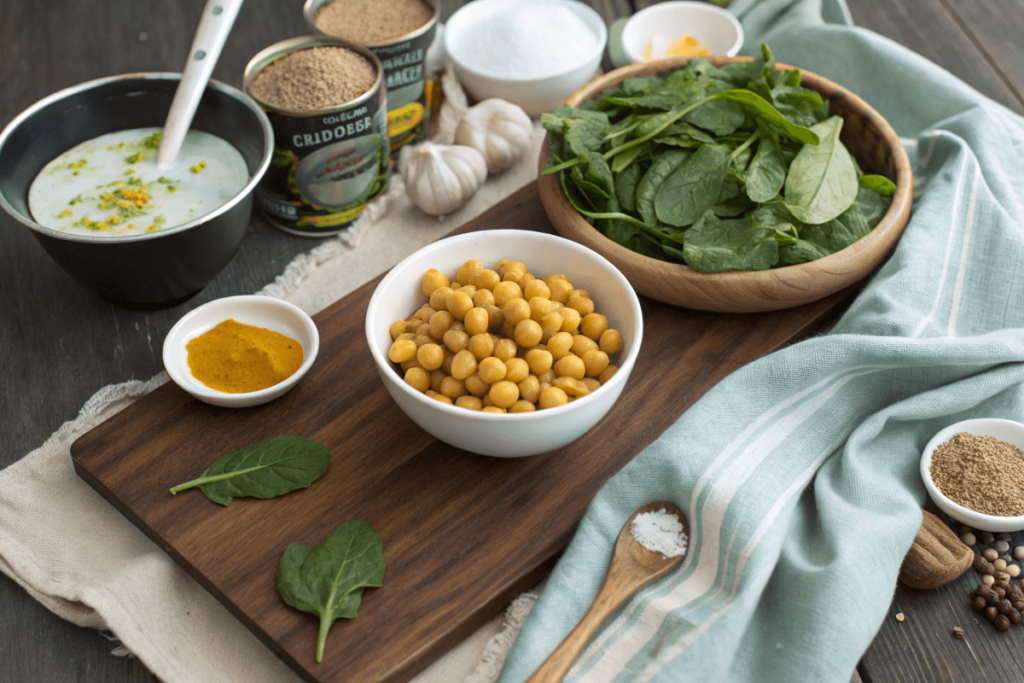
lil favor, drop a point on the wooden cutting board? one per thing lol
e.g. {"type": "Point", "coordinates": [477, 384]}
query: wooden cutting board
{"type": "Point", "coordinates": [463, 534]}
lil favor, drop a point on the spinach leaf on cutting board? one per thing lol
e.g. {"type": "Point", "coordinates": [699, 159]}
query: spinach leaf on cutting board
{"type": "Point", "coordinates": [328, 580]}
{"type": "Point", "coordinates": [263, 470]}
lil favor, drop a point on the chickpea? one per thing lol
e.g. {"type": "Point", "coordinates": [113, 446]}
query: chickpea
{"type": "Point", "coordinates": [433, 279]}
{"type": "Point", "coordinates": [476, 321]}
{"type": "Point", "coordinates": [551, 324]}
{"type": "Point", "coordinates": [522, 406]}
{"type": "Point", "coordinates": [411, 363]}
{"type": "Point", "coordinates": [453, 388]}
{"type": "Point", "coordinates": [412, 326]}
{"type": "Point", "coordinates": [539, 360]}
{"type": "Point", "coordinates": [571, 387]}
{"type": "Point", "coordinates": [446, 364]}
{"type": "Point", "coordinates": [579, 293]}
{"type": "Point", "coordinates": [552, 397]}
{"type": "Point", "coordinates": [529, 389]}
{"type": "Point", "coordinates": [467, 270]}
{"type": "Point", "coordinates": [483, 297]}
{"type": "Point", "coordinates": [581, 344]}
{"type": "Point", "coordinates": [505, 292]}
{"type": "Point", "coordinates": [495, 316]}
{"type": "Point", "coordinates": [539, 308]}
{"type": "Point", "coordinates": [439, 299]}
{"type": "Point", "coordinates": [516, 370]}
{"type": "Point", "coordinates": [442, 399]}
{"type": "Point", "coordinates": [501, 264]}
{"type": "Point", "coordinates": [504, 349]}
{"type": "Point", "coordinates": [455, 340]}
{"type": "Point", "coordinates": [417, 378]}
{"type": "Point", "coordinates": [491, 370]}
{"type": "Point", "coordinates": [556, 276]}
{"type": "Point", "coordinates": [504, 393]}
{"type": "Point", "coordinates": [493, 409]}
{"type": "Point", "coordinates": [424, 338]}
{"type": "Point", "coordinates": [560, 344]}
{"type": "Point", "coordinates": [458, 326]}
{"type": "Point", "coordinates": [440, 322]}
{"type": "Point", "coordinates": [508, 330]}
{"type": "Point", "coordinates": [526, 279]}
{"type": "Point", "coordinates": [513, 271]}
{"type": "Point", "coordinates": [463, 364]}
{"type": "Point", "coordinates": [469, 402]}
{"type": "Point", "coordinates": [423, 315]}
{"type": "Point", "coordinates": [468, 290]}
{"type": "Point", "coordinates": [607, 373]}
{"type": "Point", "coordinates": [582, 304]}
{"type": "Point", "coordinates": [610, 341]}
{"type": "Point", "coordinates": [547, 377]}
{"type": "Point", "coordinates": [537, 288]}
{"type": "Point", "coordinates": [430, 356]}
{"type": "Point", "coordinates": [568, 366]}
{"type": "Point", "coordinates": [477, 386]}
{"type": "Point", "coordinates": [571, 319]}
{"type": "Point", "coordinates": [402, 350]}
{"type": "Point", "coordinates": [485, 279]}
{"type": "Point", "coordinates": [591, 383]}
{"type": "Point", "coordinates": [595, 362]}
{"type": "Point", "coordinates": [594, 325]}
{"type": "Point", "coordinates": [516, 310]}
{"type": "Point", "coordinates": [559, 290]}
{"type": "Point", "coordinates": [436, 377]}
{"type": "Point", "coordinates": [481, 346]}
{"type": "Point", "coordinates": [397, 328]}
{"type": "Point", "coordinates": [406, 335]}
{"type": "Point", "coordinates": [528, 333]}
{"type": "Point", "coordinates": [459, 303]}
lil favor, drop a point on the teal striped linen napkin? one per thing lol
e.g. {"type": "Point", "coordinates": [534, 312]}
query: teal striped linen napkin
{"type": "Point", "coordinates": [799, 472]}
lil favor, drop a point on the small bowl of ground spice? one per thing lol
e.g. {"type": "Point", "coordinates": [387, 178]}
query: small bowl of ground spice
{"type": "Point", "coordinates": [241, 351]}
{"type": "Point", "coordinates": [974, 471]}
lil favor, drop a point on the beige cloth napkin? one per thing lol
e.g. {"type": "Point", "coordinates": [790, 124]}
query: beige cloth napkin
{"type": "Point", "coordinates": [79, 557]}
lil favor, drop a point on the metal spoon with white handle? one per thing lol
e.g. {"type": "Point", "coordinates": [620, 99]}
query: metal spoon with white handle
{"type": "Point", "coordinates": [214, 27]}
{"type": "Point", "coordinates": [632, 567]}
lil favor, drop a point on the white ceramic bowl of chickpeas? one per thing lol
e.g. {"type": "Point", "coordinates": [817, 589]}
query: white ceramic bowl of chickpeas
{"type": "Point", "coordinates": [505, 343]}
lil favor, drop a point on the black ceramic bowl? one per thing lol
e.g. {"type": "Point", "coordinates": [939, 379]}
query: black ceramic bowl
{"type": "Point", "coordinates": [151, 270]}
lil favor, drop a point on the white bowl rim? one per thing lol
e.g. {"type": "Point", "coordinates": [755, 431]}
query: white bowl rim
{"type": "Point", "coordinates": [384, 362]}
{"type": "Point", "coordinates": [1005, 523]}
{"type": "Point", "coordinates": [573, 5]}
{"type": "Point", "coordinates": [686, 4]}
{"type": "Point", "coordinates": [197, 389]}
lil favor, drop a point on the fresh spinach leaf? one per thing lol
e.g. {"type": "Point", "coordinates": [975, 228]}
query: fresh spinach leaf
{"type": "Point", "coordinates": [625, 187]}
{"type": "Point", "coordinates": [878, 183]}
{"type": "Point", "coordinates": [263, 470]}
{"type": "Point", "coordinates": [822, 181]}
{"type": "Point", "coordinates": [762, 109]}
{"type": "Point", "coordinates": [623, 160]}
{"type": "Point", "coordinates": [329, 580]}
{"type": "Point", "coordinates": [646, 190]}
{"type": "Point", "coordinates": [693, 186]}
{"type": "Point", "coordinates": [872, 205]}
{"type": "Point", "coordinates": [721, 118]}
{"type": "Point", "coordinates": [767, 172]}
{"type": "Point", "coordinates": [713, 245]}
{"type": "Point", "coordinates": [828, 238]}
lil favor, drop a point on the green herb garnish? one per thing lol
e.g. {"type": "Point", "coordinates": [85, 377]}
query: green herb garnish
{"type": "Point", "coordinates": [263, 470]}
{"type": "Point", "coordinates": [329, 580]}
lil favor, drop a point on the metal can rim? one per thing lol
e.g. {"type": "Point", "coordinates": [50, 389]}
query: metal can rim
{"type": "Point", "coordinates": [311, 7]}
{"type": "Point", "coordinates": [269, 55]}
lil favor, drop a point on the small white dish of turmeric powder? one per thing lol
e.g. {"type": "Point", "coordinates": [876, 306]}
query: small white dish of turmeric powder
{"type": "Point", "coordinates": [974, 471]}
{"type": "Point", "coordinates": [241, 351]}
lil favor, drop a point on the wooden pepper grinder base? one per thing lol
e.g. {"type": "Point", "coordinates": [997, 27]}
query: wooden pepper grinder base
{"type": "Point", "coordinates": [936, 556]}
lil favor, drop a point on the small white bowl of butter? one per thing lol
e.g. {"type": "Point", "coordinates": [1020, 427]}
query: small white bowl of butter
{"type": "Point", "coordinates": [681, 29]}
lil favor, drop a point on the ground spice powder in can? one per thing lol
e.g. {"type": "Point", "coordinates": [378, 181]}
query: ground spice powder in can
{"type": "Point", "coordinates": [372, 21]}
{"type": "Point", "coordinates": [314, 79]}
{"type": "Point", "coordinates": [981, 473]}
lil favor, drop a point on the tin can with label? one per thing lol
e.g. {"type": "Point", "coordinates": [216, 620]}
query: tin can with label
{"type": "Point", "coordinates": [411, 94]}
{"type": "Point", "coordinates": [327, 164]}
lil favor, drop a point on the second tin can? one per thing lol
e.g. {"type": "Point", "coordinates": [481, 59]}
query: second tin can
{"type": "Point", "coordinates": [411, 93]}
{"type": "Point", "coordinates": [327, 164]}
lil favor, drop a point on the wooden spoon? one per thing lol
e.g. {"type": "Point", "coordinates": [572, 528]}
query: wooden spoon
{"type": "Point", "coordinates": [632, 567]}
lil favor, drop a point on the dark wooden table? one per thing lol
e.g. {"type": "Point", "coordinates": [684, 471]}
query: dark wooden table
{"type": "Point", "coordinates": [60, 343]}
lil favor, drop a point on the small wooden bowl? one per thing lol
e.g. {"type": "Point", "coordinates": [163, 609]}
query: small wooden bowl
{"type": "Point", "coordinates": [870, 139]}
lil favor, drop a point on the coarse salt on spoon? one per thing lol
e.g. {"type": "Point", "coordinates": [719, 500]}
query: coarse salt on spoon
{"type": "Point", "coordinates": [214, 27]}
{"type": "Point", "coordinates": [633, 567]}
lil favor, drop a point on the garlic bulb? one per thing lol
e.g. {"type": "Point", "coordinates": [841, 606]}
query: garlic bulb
{"type": "Point", "coordinates": [441, 178]}
{"type": "Point", "coordinates": [499, 130]}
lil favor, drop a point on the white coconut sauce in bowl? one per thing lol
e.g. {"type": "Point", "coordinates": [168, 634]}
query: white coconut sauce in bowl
{"type": "Point", "coordinates": [110, 185]}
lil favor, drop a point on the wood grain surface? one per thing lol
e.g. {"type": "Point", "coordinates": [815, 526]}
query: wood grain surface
{"type": "Point", "coordinates": [868, 137]}
{"type": "Point", "coordinates": [463, 534]}
{"type": "Point", "coordinates": [61, 343]}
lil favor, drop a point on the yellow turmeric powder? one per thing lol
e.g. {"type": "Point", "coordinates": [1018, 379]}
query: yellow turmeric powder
{"type": "Point", "coordinates": [236, 358]}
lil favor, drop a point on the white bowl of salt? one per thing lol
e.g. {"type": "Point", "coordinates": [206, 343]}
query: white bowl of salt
{"type": "Point", "coordinates": [534, 53]}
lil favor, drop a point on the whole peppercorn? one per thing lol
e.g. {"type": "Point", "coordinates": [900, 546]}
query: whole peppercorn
{"type": "Point", "coordinates": [991, 613]}
{"type": "Point", "coordinates": [1018, 552]}
{"type": "Point", "coordinates": [978, 604]}
{"type": "Point", "coordinates": [1002, 577]}
{"type": "Point", "coordinates": [993, 598]}
{"type": "Point", "coordinates": [990, 555]}
{"type": "Point", "coordinates": [1017, 604]}
{"type": "Point", "coordinates": [1002, 536]}
{"type": "Point", "coordinates": [1004, 606]}
{"type": "Point", "coordinates": [988, 580]}
{"type": "Point", "coordinates": [983, 566]}
{"type": "Point", "coordinates": [999, 564]}
{"type": "Point", "coordinates": [987, 538]}
{"type": "Point", "coordinates": [982, 590]}
{"type": "Point", "coordinates": [968, 538]}
{"type": "Point", "coordinates": [999, 592]}
{"type": "Point", "coordinates": [1001, 546]}
{"type": "Point", "coordinates": [1015, 617]}
{"type": "Point", "coordinates": [1013, 570]}
{"type": "Point", "coordinates": [1002, 622]}
{"type": "Point", "coordinates": [1005, 557]}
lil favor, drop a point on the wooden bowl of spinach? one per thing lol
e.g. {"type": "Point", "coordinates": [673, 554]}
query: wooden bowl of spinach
{"type": "Point", "coordinates": [731, 185]}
